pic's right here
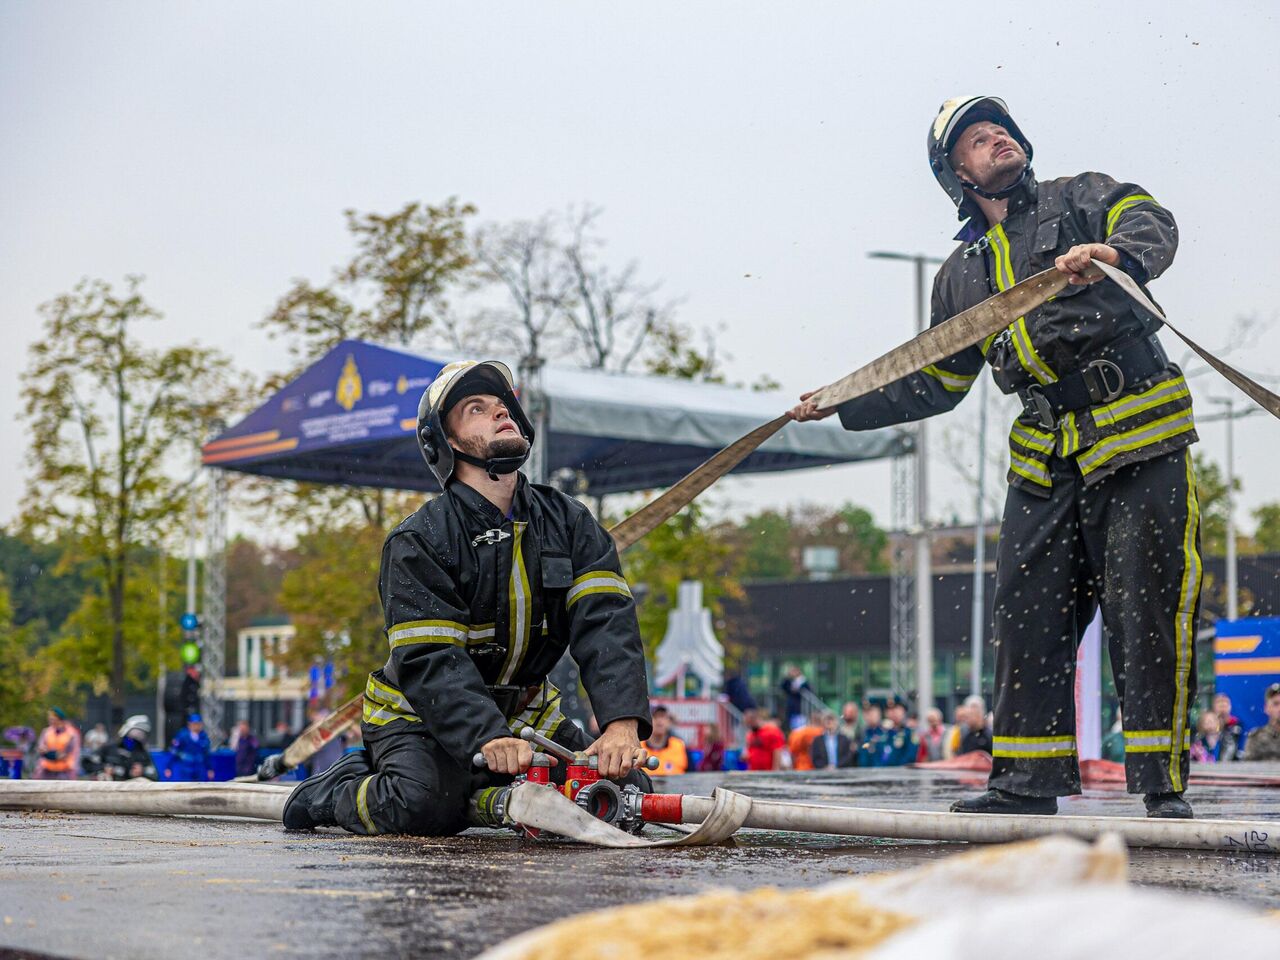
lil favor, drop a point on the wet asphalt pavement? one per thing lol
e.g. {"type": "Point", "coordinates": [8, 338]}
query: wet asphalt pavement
{"type": "Point", "coordinates": [74, 885]}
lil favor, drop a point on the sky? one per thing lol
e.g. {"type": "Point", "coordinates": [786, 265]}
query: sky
{"type": "Point", "coordinates": [748, 155]}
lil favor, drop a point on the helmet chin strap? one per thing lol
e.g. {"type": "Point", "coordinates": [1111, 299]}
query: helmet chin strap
{"type": "Point", "coordinates": [999, 194]}
{"type": "Point", "coordinates": [493, 466]}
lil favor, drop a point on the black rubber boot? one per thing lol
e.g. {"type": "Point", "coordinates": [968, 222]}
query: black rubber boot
{"type": "Point", "coordinates": [1168, 806]}
{"type": "Point", "coordinates": [311, 803]}
{"type": "Point", "coordinates": [1001, 801]}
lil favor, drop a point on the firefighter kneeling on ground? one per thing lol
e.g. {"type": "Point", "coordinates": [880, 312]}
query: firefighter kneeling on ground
{"type": "Point", "coordinates": [128, 758]}
{"type": "Point", "coordinates": [1101, 508]}
{"type": "Point", "coordinates": [483, 589]}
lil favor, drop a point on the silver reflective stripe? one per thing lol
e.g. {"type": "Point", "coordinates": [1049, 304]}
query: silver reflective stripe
{"type": "Point", "coordinates": [1163, 741]}
{"type": "Point", "coordinates": [1030, 440]}
{"type": "Point", "coordinates": [1163, 393]}
{"type": "Point", "coordinates": [602, 582]}
{"type": "Point", "coordinates": [422, 631]}
{"type": "Point", "coordinates": [953, 382]}
{"type": "Point", "coordinates": [1032, 747]}
{"type": "Point", "coordinates": [518, 600]}
{"type": "Point", "coordinates": [1152, 433]}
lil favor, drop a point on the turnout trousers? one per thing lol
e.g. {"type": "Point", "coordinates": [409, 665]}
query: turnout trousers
{"type": "Point", "coordinates": [407, 783]}
{"type": "Point", "coordinates": [1130, 543]}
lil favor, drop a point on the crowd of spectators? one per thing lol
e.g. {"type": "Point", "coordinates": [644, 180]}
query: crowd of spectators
{"type": "Point", "coordinates": [1221, 738]}
{"type": "Point", "coordinates": [876, 735]}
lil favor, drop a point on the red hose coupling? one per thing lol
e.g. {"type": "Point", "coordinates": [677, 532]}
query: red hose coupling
{"type": "Point", "coordinates": [661, 807]}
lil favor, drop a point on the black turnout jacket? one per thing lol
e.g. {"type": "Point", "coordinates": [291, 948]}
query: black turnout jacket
{"type": "Point", "coordinates": [1150, 418]}
{"type": "Point", "coordinates": [479, 607]}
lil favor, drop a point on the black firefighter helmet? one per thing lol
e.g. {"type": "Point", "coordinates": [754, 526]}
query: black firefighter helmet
{"type": "Point", "coordinates": [458, 380]}
{"type": "Point", "coordinates": [953, 117]}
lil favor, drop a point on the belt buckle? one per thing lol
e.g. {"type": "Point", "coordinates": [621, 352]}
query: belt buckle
{"type": "Point", "coordinates": [1037, 405]}
{"type": "Point", "coordinates": [1104, 393]}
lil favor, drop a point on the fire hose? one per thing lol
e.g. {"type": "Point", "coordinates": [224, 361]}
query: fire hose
{"type": "Point", "coordinates": [946, 339]}
{"type": "Point", "coordinates": [537, 809]}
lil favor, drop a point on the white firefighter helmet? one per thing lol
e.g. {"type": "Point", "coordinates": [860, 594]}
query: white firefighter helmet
{"type": "Point", "coordinates": [953, 117]}
{"type": "Point", "coordinates": [460, 379]}
{"type": "Point", "coordinates": [139, 721]}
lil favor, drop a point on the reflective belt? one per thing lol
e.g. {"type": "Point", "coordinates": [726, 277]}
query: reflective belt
{"type": "Point", "coordinates": [1101, 381]}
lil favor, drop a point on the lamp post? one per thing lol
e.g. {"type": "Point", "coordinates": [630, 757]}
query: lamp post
{"type": "Point", "coordinates": [1231, 416]}
{"type": "Point", "coordinates": [924, 584]}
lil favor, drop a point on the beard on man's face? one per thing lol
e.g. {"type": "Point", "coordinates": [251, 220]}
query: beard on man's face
{"type": "Point", "coordinates": [998, 174]}
{"type": "Point", "coordinates": [509, 445]}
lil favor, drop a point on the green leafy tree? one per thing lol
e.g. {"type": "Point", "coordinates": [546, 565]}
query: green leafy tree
{"type": "Point", "coordinates": [772, 544]}
{"type": "Point", "coordinates": [332, 599]}
{"type": "Point", "coordinates": [767, 549]}
{"type": "Point", "coordinates": [1267, 536]}
{"type": "Point", "coordinates": [112, 420]}
{"type": "Point", "coordinates": [395, 289]}
{"type": "Point", "coordinates": [21, 700]}
{"type": "Point", "coordinates": [1211, 488]}
{"type": "Point", "coordinates": [254, 578]}
{"type": "Point", "coordinates": [46, 582]}
{"type": "Point", "coordinates": [686, 547]}
{"type": "Point", "coordinates": [82, 655]}
{"type": "Point", "coordinates": [863, 545]}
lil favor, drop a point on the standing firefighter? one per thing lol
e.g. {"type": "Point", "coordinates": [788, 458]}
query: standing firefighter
{"type": "Point", "coordinates": [483, 589]}
{"type": "Point", "coordinates": [1102, 501]}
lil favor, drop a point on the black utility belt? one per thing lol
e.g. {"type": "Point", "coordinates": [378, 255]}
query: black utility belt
{"type": "Point", "coordinates": [1102, 380]}
{"type": "Point", "coordinates": [512, 699]}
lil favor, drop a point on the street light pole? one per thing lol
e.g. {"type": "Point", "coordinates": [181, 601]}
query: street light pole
{"type": "Point", "coordinates": [923, 576]}
{"type": "Point", "coordinates": [1233, 607]}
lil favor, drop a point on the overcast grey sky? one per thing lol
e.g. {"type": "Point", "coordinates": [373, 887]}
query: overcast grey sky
{"type": "Point", "coordinates": [749, 155]}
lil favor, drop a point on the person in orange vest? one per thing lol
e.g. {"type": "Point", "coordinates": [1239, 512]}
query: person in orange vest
{"type": "Point", "coordinates": [672, 756]}
{"type": "Point", "coordinates": [58, 750]}
{"type": "Point", "coordinates": [800, 743]}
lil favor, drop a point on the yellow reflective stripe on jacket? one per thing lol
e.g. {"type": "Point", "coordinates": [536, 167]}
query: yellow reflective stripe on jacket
{"type": "Point", "coordinates": [1021, 336]}
{"type": "Point", "coordinates": [1143, 436]}
{"type": "Point", "coordinates": [427, 631]}
{"type": "Point", "coordinates": [954, 382]}
{"type": "Point", "coordinates": [1184, 625]}
{"type": "Point", "coordinates": [1068, 436]}
{"type": "Point", "coordinates": [542, 714]}
{"type": "Point", "coordinates": [1031, 470]}
{"type": "Point", "coordinates": [1111, 413]}
{"type": "Point", "coordinates": [1000, 248]}
{"type": "Point", "coordinates": [519, 601]}
{"type": "Point", "coordinates": [384, 703]}
{"type": "Point", "coordinates": [1027, 355]}
{"type": "Point", "coordinates": [481, 631]}
{"type": "Point", "coordinates": [597, 581]}
{"type": "Point", "coordinates": [1033, 748]}
{"type": "Point", "coordinates": [1031, 438]}
{"type": "Point", "coordinates": [1117, 209]}
{"type": "Point", "coordinates": [386, 695]}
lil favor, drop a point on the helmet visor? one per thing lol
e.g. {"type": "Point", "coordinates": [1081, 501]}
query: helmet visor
{"type": "Point", "coordinates": [458, 380]}
{"type": "Point", "coordinates": [961, 112]}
